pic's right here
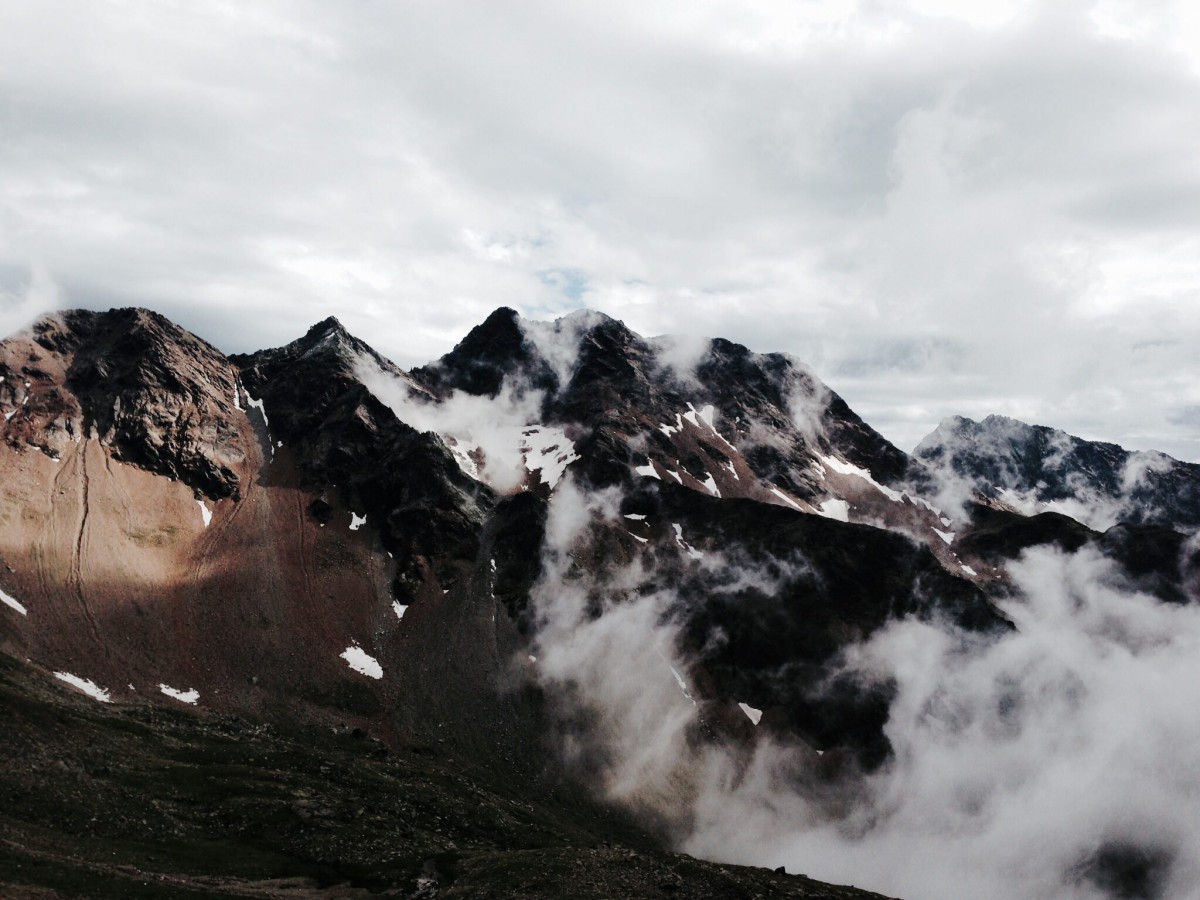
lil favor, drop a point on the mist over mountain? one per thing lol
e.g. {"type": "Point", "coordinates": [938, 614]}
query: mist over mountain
{"type": "Point", "coordinates": [540, 616]}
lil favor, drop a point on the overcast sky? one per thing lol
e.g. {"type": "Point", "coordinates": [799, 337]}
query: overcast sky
{"type": "Point", "coordinates": [943, 209]}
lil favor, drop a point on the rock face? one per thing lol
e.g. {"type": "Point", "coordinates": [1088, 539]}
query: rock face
{"type": "Point", "coordinates": [152, 394]}
{"type": "Point", "coordinates": [310, 535]}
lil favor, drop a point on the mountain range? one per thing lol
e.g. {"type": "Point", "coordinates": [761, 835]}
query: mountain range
{"type": "Point", "coordinates": [303, 623]}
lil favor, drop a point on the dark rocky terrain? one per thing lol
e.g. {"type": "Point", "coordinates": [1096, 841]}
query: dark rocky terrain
{"type": "Point", "coordinates": [305, 594]}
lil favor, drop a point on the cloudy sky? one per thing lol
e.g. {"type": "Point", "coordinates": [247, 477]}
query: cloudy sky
{"type": "Point", "coordinates": [942, 207]}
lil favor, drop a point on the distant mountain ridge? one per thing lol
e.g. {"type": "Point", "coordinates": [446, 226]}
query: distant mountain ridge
{"type": "Point", "coordinates": [1035, 468]}
{"type": "Point", "coordinates": [310, 534]}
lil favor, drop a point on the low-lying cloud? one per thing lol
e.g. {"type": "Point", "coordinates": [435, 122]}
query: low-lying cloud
{"type": "Point", "coordinates": [1058, 761]}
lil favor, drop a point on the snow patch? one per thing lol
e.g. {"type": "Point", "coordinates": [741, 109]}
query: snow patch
{"type": "Point", "coordinates": [398, 609]}
{"type": "Point", "coordinates": [647, 470]}
{"type": "Point", "coordinates": [754, 715]}
{"type": "Point", "coordinates": [205, 513]}
{"type": "Point", "coordinates": [89, 687]}
{"type": "Point", "coordinates": [835, 509]}
{"type": "Point", "coordinates": [929, 506]}
{"type": "Point", "coordinates": [360, 661]}
{"type": "Point", "coordinates": [845, 468]}
{"type": "Point", "coordinates": [190, 696]}
{"type": "Point", "coordinates": [711, 484]}
{"type": "Point", "coordinates": [732, 469]}
{"type": "Point", "coordinates": [548, 449]}
{"type": "Point", "coordinates": [968, 569]}
{"type": "Point", "coordinates": [679, 681]}
{"type": "Point", "coordinates": [356, 521]}
{"type": "Point", "coordinates": [640, 540]}
{"type": "Point", "coordinates": [10, 601]}
{"type": "Point", "coordinates": [786, 499]}
{"type": "Point", "coordinates": [684, 545]}
{"type": "Point", "coordinates": [251, 403]}
{"type": "Point", "coordinates": [947, 536]}
{"type": "Point", "coordinates": [637, 517]}
{"type": "Point", "coordinates": [462, 458]}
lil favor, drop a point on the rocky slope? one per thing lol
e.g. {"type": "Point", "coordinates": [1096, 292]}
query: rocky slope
{"type": "Point", "coordinates": [309, 538]}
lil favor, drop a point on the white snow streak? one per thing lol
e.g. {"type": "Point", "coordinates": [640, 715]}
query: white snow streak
{"type": "Point", "coordinates": [845, 468]}
{"type": "Point", "coordinates": [711, 484]}
{"type": "Point", "coordinates": [205, 513]}
{"type": "Point", "coordinates": [89, 687]}
{"type": "Point", "coordinates": [262, 409]}
{"type": "Point", "coordinates": [684, 545]}
{"type": "Point", "coordinates": [786, 499]}
{"type": "Point", "coordinates": [754, 715]}
{"type": "Point", "coordinates": [190, 696]}
{"type": "Point", "coordinates": [398, 609]}
{"type": "Point", "coordinates": [835, 509]}
{"type": "Point", "coordinates": [10, 601]}
{"type": "Point", "coordinates": [356, 521]}
{"type": "Point", "coordinates": [360, 661]}
{"type": "Point", "coordinates": [647, 470]}
{"type": "Point", "coordinates": [947, 536]}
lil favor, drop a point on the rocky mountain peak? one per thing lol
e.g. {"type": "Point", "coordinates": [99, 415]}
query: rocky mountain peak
{"type": "Point", "coordinates": [1035, 468]}
{"type": "Point", "coordinates": [160, 397]}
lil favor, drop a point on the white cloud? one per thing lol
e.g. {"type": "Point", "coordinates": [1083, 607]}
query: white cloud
{"type": "Point", "coordinates": [833, 179]}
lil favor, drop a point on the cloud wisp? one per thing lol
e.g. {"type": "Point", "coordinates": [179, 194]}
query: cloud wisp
{"type": "Point", "coordinates": [1058, 761]}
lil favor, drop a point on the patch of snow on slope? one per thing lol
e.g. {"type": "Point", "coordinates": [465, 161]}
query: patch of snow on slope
{"type": "Point", "coordinates": [835, 509]}
{"type": "Point", "coordinates": [845, 468]}
{"type": "Point", "coordinates": [89, 687]}
{"type": "Point", "coordinates": [637, 517]}
{"type": "Point", "coordinates": [732, 469]}
{"type": "Point", "coordinates": [237, 400]}
{"type": "Point", "coordinates": [251, 403]}
{"type": "Point", "coordinates": [786, 499]}
{"type": "Point", "coordinates": [640, 540]}
{"type": "Point", "coordinates": [968, 569]}
{"type": "Point", "coordinates": [929, 506]}
{"type": "Point", "coordinates": [189, 697]}
{"type": "Point", "coordinates": [706, 415]}
{"type": "Point", "coordinates": [205, 513]}
{"type": "Point", "coordinates": [462, 457]}
{"type": "Point", "coordinates": [398, 609]}
{"type": "Point", "coordinates": [711, 484]}
{"type": "Point", "coordinates": [647, 470]}
{"type": "Point", "coordinates": [947, 536]}
{"type": "Point", "coordinates": [356, 521]}
{"type": "Point", "coordinates": [547, 447]}
{"type": "Point", "coordinates": [754, 715]}
{"type": "Point", "coordinates": [10, 601]}
{"type": "Point", "coordinates": [684, 545]}
{"type": "Point", "coordinates": [360, 661]}
{"type": "Point", "coordinates": [682, 684]}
